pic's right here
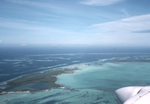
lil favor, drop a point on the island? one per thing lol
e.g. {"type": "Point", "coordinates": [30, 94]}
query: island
{"type": "Point", "coordinates": [34, 82]}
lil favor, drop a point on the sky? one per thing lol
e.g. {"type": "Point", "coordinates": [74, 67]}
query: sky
{"type": "Point", "coordinates": [75, 22]}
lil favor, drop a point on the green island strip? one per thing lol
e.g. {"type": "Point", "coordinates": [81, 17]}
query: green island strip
{"type": "Point", "coordinates": [47, 77]}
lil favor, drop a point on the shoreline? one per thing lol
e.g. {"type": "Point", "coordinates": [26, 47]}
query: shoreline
{"type": "Point", "coordinates": [28, 91]}
{"type": "Point", "coordinates": [48, 77]}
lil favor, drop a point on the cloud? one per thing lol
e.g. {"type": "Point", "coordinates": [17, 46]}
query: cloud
{"type": "Point", "coordinates": [17, 24]}
{"type": "Point", "coordinates": [136, 23]}
{"type": "Point", "coordinates": [33, 32]}
{"type": "Point", "coordinates": [100, 2]}
{"type": "Point", "coordinates": [125, 12]}
{"type": "Point", "coordinates": [48, 6]}
{"type": "Point", "coordinates": [33, 3]}
{"type": "Point", "coordinates": [130, 31]}
{"type": "Point", "coordinates": [28, 25]}
{"type": "Point", "coordinates": [143, 31]}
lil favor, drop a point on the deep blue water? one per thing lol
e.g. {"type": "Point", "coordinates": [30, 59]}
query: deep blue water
{"type": "Point", "coordinates": [17, 61]}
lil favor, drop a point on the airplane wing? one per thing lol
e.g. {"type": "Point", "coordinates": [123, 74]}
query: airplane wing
{"type": "Point", "coordinates": [134, 95]}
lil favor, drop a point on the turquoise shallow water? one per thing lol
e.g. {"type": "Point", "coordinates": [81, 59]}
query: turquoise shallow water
{"type": "Point", "coordinates": [61, 96]}
{"type": "Point", "coordinates": [109, 76]}
{"type": "Point", "coordinates": [94, 83]}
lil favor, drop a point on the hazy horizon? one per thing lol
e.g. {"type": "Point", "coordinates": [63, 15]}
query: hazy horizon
{"type": "Point", "coordinates": [75, 22]}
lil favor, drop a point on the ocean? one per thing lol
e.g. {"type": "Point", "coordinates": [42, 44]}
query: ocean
{"type": "Point", "coordinates": [101, 72]}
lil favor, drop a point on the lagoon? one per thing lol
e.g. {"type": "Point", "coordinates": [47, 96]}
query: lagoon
{"type": "Point", "coordinates": [92, 82]}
